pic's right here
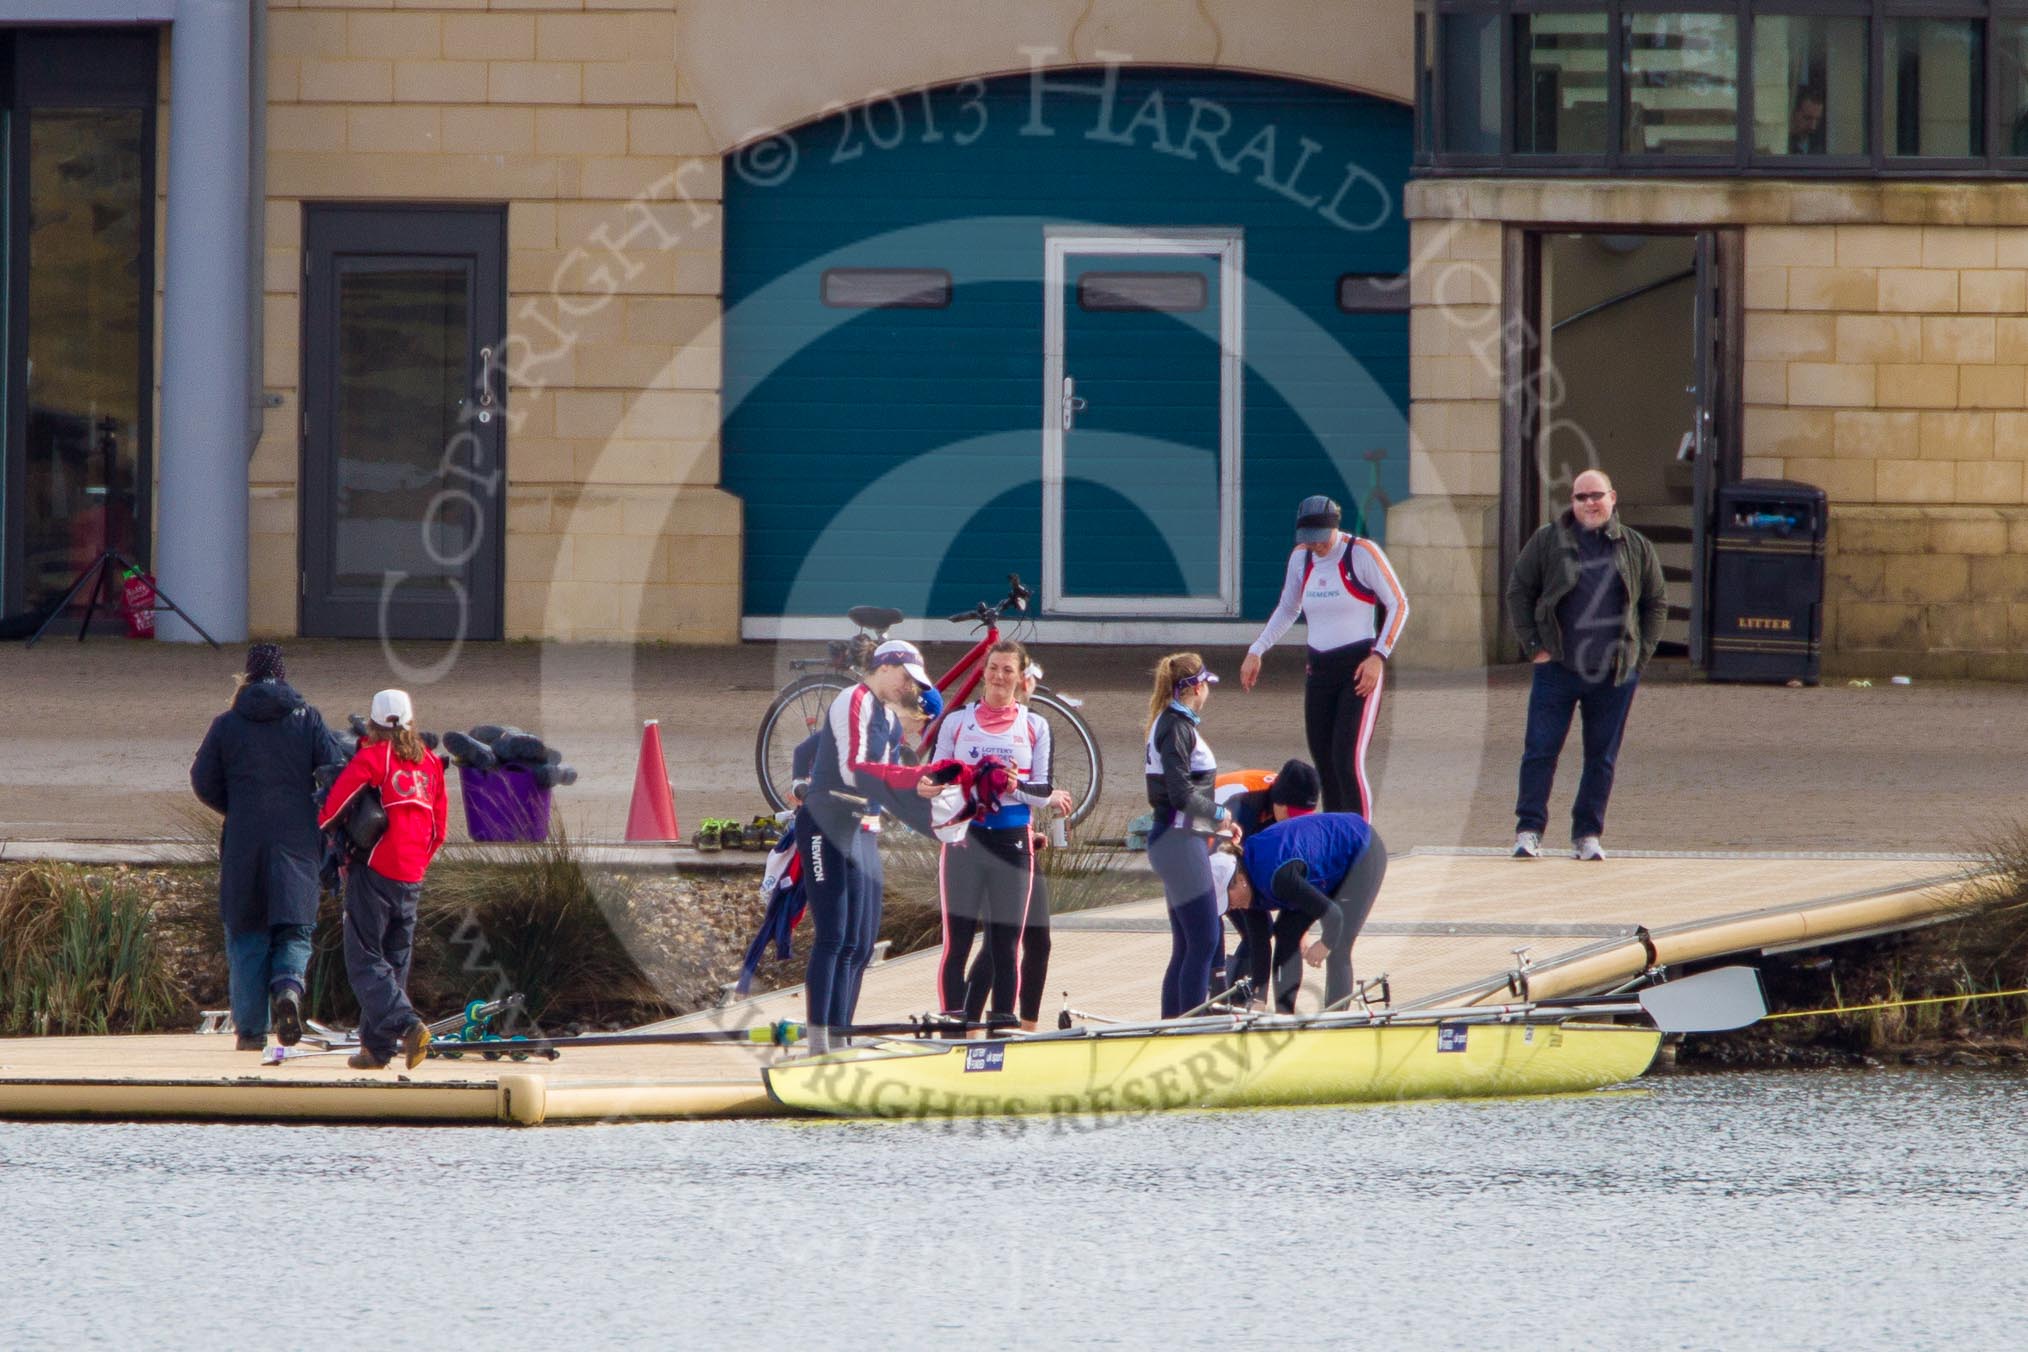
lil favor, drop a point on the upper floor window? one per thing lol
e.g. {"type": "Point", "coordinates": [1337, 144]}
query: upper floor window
{"type": "Point", "coordinates": [1561, 84]}
{"type": "Point", "coordinates": [1936, 87]}
{"type": "Point", "coordinates": [1681, 73]}
{"type": "Point", "coordinates": [1471, 87]}
{"type": "Point", "coordinates": [1789, 87]}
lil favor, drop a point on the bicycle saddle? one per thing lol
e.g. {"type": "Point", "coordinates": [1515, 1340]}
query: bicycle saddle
{"type": "Point", "coordinates": [874, 617]}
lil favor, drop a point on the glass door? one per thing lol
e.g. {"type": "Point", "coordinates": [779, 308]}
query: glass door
{"type": "Point", "coordinates": [403, 484]}
{"type": "Point", "coordinates": [85, 338]}
{"type": "Point", "coordinates": [77, 157]}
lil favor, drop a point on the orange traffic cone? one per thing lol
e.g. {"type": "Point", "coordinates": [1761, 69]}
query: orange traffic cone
{"type": "Point", "coordinates": [652, 816]}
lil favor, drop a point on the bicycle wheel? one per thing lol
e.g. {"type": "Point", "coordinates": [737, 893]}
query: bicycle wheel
{"type": "Point", "coordinates": [797, 712]}
{"type": "Point", "coordinates": [1075, 764]}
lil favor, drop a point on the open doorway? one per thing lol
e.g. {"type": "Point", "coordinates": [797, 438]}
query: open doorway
{"type": "Point", "coordinates": [1629, 350]}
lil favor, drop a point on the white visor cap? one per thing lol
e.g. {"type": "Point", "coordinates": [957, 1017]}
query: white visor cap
{"type": "Point", "coordinates": [391, 709]}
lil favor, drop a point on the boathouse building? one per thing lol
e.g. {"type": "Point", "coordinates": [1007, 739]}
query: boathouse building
{"type": "Point", "coordinates": [625, 319]}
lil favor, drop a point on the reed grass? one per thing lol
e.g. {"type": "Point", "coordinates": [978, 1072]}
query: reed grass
{"type": "Point", "coordinates": [78, 955]}
{"type": "Point", "coordinates": [1980, 951]}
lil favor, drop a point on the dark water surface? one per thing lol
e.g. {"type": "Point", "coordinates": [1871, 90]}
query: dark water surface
{"type": "Point", "coordinates": [1791, 1210]}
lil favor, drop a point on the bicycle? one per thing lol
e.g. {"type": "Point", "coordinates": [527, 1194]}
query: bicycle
{"type": "Point", "coordinates": [800, 706]}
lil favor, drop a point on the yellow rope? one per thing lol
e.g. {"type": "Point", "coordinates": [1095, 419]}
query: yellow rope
{"type": "Point", "coordinates": [1893, 1004]}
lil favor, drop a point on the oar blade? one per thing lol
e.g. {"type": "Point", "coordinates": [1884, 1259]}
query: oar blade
{"type": "Point", "coordinates": [1716, 1001]}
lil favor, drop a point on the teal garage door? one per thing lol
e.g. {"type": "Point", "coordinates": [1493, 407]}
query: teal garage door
{"type": "Point", "coordinates": [1090, 327]}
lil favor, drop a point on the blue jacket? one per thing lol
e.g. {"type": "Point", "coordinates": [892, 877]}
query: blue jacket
{"type": "Point", "coordinates": [255, 767]}
{"type": "Point", "coordinates": [1328, 843]}
{"type": "Point", "coordinates": [785, 907]}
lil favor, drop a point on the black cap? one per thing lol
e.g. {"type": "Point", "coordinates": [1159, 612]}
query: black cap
{"type": "Point", "coordinates": [264, 663]}
{"type": "Point", "coordinates": [1297, 785]}
{"type": "Point", "coordinates": [1317, 519]}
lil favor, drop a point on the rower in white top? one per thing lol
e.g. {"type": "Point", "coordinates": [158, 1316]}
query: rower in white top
{"type": "Point", "coordinates": [1346, 591]}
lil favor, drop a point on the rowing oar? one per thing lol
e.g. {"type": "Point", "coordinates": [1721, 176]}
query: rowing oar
{"type": "Point", "coordinates": [1716, 1001]}
{"type": "Point", "coordinates": [782, 1033]}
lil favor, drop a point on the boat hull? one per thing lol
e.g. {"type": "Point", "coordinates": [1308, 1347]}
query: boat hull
{"type": "Point", "coordinates": [1252, 1068]}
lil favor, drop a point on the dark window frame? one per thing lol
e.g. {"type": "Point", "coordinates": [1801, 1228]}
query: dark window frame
{"type": "Point", "coordinates": [2009, 163]}
{"type": "Point", "coordinates": [1432, 160]}
{"type": "Point", "coordinates": [1085, 287]}
{"type": "Point", "coordinates": [943, 294]}
{"type": "Point", "coordinates": [1397, 285]}
{"type": "Point", "coordinates": [62, 68]}
{"type": "Point", "coordinates": [1519, 14]}
{"type": "Point", "coordinates": [1788, 165]}
{"type": "Point", "coordinates": [1945, 12]}
{"type": "Point", "coordinates": [1616, 118]}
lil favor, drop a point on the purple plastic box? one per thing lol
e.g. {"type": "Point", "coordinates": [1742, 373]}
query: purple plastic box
{"type": "Point", "coordinates": [504, 804]}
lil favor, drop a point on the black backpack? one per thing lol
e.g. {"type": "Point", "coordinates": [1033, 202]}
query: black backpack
{"type": "Point", "coordinates": [361, 825]}
{"type": "Point", "coordinates": [364, 822]}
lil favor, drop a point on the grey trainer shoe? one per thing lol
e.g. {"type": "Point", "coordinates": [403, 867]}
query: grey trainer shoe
{"type": "Point", "coordinates": [1587, 847]}
{"type": "Point", "coordinates": [1527, 844]}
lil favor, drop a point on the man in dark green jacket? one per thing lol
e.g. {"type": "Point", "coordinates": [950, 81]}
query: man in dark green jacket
{"type": "Point", "coordinates": [1587, 600]}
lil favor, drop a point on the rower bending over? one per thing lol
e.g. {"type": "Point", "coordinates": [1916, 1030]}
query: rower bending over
{"type": "Point", "coordinates": [1324, 868]}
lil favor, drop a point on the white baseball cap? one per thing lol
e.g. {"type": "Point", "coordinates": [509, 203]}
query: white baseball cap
{"type": "Point", "coordinates": [391, 709]}
{"type": "Point", "coordinates": [897, 652]}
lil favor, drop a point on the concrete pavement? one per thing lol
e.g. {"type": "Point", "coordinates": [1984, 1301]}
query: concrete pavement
{"type": "Point", "coordinates": [98, 739]}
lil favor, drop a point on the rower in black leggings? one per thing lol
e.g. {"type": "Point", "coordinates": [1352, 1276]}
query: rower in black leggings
{"type": "Point", "coordinates": [1324, 869]}
{"type": "Point", "coordinates": [1292, 791]}
{"type": "Point", "coordinates": [1355, 609]}
{"type": "Point", "coordinates": [987, 877]}
{"type": "Point", "coordinates": [988, 882]}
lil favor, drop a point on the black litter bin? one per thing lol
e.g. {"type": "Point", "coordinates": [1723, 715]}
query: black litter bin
{"type": "Point", "coordinates": [1767, 582]}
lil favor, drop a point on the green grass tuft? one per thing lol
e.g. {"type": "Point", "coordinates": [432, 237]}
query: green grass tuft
{"type": "Point", "coordinates": [78, 955]}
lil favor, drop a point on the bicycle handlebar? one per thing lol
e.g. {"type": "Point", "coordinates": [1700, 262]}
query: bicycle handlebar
{"type": "Point", "coordinates": [985, 613]}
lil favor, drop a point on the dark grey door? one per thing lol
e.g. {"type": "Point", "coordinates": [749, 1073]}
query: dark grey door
{"type": "Point", "coordinates": [1708, 336]}
{"type": "Point", "coordinates": [404, 479]}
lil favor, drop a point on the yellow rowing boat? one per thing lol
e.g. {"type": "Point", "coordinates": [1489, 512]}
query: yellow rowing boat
{"type": "Point", "coordinates": [1264, 1064]}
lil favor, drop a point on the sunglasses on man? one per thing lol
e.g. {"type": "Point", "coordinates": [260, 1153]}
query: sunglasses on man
{"type": "Point", "coordinates": [1587, 497]}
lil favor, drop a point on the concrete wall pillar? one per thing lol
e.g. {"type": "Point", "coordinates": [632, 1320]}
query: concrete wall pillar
{"type": "Point", "coordinates": [201, 531]}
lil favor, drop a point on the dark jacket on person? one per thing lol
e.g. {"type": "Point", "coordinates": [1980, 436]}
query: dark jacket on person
{"type": "Point", "coordinates": [1547, 571]}
{"type": "Point", "coordinates": [255, 766]}
{"type": "Point", "coordinates": [1181, 774]}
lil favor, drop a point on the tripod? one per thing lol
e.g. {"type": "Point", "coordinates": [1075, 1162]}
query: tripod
{"type": "Point", "coordinates": [99, 573]}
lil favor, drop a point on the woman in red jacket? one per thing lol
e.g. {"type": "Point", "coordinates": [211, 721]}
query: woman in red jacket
{"type": "Point", "coordinates": [382, 889]}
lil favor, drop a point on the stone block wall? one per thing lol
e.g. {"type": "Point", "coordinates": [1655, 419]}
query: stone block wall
{"type": "Point", "coordinates": [1928, 591]}
{"type": "Point", "coordinates": [574, 115]}
{"type": "Point", "coordinates": [1444, 540]}
{"type": "Point", "coordinates": [1886, 362]}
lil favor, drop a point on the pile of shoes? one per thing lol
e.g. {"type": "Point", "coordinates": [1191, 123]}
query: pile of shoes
{"type": "Point", "coordinates": [724, 833]}
{"type": "Point", "coordinates": [490, 746]}
{"type": "Point", "coordinates": [351, 741]}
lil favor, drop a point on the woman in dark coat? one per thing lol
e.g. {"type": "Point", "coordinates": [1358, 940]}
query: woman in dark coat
{"type": "Point", "coordinates": [255, 766]}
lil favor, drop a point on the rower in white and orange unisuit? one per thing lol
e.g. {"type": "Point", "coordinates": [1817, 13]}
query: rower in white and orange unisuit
{"type": "Point", "coordinates": [1346, 591]}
